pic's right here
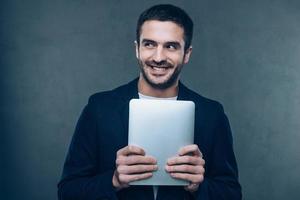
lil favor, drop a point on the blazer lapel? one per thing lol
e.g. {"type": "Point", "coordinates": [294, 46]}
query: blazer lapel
{"type": "Point", "coordinates": [131, 92]}
{"type": "Point", "coordinates": [183, 92]}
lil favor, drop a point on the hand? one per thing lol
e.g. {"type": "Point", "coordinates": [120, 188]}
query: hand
{"type": "Point", "coordinates": [188, 165]}
{"type": "Point", "coordinates": [131, 165]}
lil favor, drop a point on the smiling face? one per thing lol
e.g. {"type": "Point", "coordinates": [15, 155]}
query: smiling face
{"type": "Point", "coordinates": [161, 54]}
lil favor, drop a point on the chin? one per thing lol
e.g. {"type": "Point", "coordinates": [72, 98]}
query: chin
{"type": "Point", "coordinates": [161, 84]}
{"type": "Point", "coordinates": [159, 81]}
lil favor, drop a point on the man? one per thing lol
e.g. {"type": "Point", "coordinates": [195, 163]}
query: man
{"type": "Point", "coordinates": [100, 165]}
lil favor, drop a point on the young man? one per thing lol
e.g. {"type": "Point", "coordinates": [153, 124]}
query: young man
{"type": "Point", "coordinates": [100, 165]}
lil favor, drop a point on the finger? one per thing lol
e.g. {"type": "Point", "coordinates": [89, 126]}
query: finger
{"type": "Point", "coordinates": [126, 179]}
{"type": "Point", "coordinates": [116, 182]}
{"type": "Point", "coordinates": [185, 160]}
{"type": "Point", "coordinates": [135, 159]}
{"type": "Point", "coordinates": [193, 178]}
{"type": "Point", "coordinates": [192, 187]}
{"type": "Point", "coordinates": [193, 148]}
{"type": "Point", "coordinates": [134, 169]}
{"type": "Point", "coordinates": [191, 169]}
{"type": "Point", "coordinates": [130, 149]}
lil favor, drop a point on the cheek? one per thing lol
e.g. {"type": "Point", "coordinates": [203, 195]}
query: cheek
{"type": "Point", "coordinates": [177, 58]}
{"type": "Point", "coordinates": [145, 56]}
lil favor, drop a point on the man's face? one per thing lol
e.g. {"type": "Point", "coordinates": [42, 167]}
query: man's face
{"type": "Point", "coordinates": [161, 53]}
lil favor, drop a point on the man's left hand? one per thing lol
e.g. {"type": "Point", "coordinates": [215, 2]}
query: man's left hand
{"type": "Point", "coordinates": [188, 165]}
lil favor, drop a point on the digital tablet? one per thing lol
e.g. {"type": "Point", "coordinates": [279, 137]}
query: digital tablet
{"type": "Point", "coordinates": [161, 128]}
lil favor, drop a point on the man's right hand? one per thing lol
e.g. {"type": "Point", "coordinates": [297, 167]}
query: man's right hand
{"type": "Point", "coordinates": [131, 165]}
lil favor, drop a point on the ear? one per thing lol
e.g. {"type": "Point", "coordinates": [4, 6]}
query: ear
{"type": "Point", "coordinates": [136, 49]}
{"type": "Point", "coordinates": [187, 55]}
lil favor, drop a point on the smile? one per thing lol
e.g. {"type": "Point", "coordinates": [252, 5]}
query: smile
{"type": "Point", "coordinates": [159, 68]}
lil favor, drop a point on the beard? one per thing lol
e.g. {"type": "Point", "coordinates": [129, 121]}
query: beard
{"type": "Point", "coordinates": [170, 81]}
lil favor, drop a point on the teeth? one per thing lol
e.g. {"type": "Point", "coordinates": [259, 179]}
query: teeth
{"type": "Point", "coordinates": [159, 68]}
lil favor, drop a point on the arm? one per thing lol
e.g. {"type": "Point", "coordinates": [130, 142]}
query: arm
{"type": "Point", "coordinates": [221, 179]}
{"type": "Point", "coordinates": [80, 179]}
{"type": "Point", "coordinates": [220, 175]}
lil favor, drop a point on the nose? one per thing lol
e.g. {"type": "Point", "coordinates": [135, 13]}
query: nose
{"type": "Point", "coordinates": [159, 55]}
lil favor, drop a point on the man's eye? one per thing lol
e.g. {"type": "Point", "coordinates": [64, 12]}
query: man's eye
{"type": "Point", "coordinates": [171, 47]}
{"type": "Point", "coordinates": [149, 45]}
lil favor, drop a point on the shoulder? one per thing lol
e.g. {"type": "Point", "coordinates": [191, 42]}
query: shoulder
{"type": "Point", "coordinates": [103, 96]}
{"type": "Point", "coordinates": [203, 103]}
{"type": "Point", "coordinates": [117, 94]}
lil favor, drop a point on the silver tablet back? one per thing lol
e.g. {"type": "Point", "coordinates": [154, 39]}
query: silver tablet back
{"type": "Point", "coordinates": [161, 128]}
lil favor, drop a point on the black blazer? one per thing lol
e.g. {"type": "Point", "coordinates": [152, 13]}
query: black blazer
{"type": "Point", "coordinates": [102, 130]}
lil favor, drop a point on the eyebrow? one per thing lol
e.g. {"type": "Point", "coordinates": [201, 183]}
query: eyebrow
{"type": "Point", "coordinates": [173, 43]}
{"type": "Point", "coordinates": [148, 40]}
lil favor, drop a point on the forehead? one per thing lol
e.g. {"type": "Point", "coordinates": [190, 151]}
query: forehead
{"type": "Point", "coordinates": [162, 31]}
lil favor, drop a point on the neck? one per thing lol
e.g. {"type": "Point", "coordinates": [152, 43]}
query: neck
{"type": "Point", "coordinates": [146, 89]}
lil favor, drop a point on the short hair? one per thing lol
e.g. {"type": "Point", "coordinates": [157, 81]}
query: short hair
{"type": "Point", "coordinates": [167, 12]}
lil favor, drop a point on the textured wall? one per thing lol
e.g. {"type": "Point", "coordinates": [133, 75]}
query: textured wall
{"type": "Point", "coordinates": [54, 54]}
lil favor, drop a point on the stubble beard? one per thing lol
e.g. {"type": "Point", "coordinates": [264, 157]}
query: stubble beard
{"type": "Point", "coordinates": [164, 85]}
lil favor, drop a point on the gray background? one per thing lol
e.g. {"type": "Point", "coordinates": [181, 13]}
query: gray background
{"type": "Point", "coordinates": [54, 54]}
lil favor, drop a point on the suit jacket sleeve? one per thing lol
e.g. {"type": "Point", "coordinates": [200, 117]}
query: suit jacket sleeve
{"type": "Point", "coordinates": [221, 178]}
{"type": "Point", "coordinates": [80, 179]}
